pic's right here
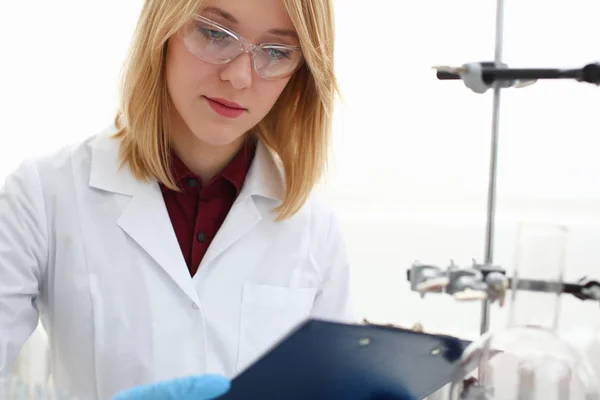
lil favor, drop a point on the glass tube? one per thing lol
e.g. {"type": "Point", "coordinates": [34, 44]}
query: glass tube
{"type": "Point", "coordinates": [540, 260]}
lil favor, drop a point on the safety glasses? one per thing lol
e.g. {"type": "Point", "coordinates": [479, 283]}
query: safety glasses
{"type": "Point", "coordinates": [215, 44]}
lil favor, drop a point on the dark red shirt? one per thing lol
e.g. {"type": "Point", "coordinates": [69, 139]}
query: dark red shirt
{"type": "Point", "coordinates": [199, 210]}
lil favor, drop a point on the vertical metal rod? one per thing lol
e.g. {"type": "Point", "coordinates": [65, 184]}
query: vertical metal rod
{"type": "Point", "coordinates": [491, 206]}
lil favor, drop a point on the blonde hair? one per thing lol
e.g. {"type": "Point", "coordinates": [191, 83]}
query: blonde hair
{"type": "Point", "coordinates": [297, 129]}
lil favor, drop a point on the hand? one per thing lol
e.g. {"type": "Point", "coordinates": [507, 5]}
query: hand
{"type": "Point", "coordinates": [201, 387]}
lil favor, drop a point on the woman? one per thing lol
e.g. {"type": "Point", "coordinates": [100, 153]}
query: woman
{"type": "Point", "coordinates": [183, 240]}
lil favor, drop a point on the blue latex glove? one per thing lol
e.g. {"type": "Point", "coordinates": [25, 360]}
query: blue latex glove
{"type": "Point", "coordinates": [202, 387]}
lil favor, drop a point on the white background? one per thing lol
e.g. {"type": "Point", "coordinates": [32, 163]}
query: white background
{"type": "Point", "coordinates": [410, 171]}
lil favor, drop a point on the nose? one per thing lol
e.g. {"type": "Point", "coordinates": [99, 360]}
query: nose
{"type": "Point", "coordinates": [239, 71]}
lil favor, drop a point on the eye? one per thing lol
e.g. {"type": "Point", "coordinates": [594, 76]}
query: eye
{"type": "Point", "coordinates": [278, 54]}
{"type": "Point", "coordinates": [213, 34]}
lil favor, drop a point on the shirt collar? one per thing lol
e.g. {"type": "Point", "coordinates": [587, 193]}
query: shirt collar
{"type": "Point", "coordinates": [235, 172]}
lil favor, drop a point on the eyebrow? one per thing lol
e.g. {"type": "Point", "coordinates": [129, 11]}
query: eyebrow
{"type": "Point", "coordinates": [284, 32]}
{"type": "Point", "coordinates": [222, 13]}
{"type": "Point", "coordinates": [230, 18]}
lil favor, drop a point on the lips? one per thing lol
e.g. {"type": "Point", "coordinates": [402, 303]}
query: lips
{"type": "Point", "coordinates": [225, 108]}
{"type": "Point", "coordinates": [226, 103]}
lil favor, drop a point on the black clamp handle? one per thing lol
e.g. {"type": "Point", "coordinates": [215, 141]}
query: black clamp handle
{"type": "Point", "coordinates": [481, 76]}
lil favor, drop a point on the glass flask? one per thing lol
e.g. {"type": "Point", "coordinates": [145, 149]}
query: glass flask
{"type": "Point", "coordinates": [528, 360]}
{"type": "Point", "coordinates": [14, 388]}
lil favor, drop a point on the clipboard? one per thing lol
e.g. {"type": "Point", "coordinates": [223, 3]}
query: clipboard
{"type": "Point", "coordinates": [322, 360]}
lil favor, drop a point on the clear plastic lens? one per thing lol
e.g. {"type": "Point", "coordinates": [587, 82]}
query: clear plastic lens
{"type": "Point", "coordinates": [211, 43]}
{"type": "Point", "coordinates": [274, 61]}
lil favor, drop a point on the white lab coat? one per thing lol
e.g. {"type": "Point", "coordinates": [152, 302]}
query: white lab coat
{"type": "Point", "coordinates": [94, 251]}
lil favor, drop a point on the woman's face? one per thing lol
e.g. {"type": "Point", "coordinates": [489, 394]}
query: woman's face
{"type": "Point", "coordinates": [218, 103]}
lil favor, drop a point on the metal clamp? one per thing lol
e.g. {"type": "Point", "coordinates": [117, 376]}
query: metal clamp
{"type": "Point", "coordinates": [477, 282]}
{"type": "Point", "coordinates": [483, 282]}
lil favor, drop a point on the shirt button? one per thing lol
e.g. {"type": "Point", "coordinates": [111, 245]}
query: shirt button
{"type": "Point", "coordinates": [192, 182]}
{"type": "Point", "coordinates": [195, 306]}
{"type": "Point", "coordinates": [201, 237]}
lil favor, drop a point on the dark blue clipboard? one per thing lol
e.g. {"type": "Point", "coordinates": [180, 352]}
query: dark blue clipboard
{"type": "Point", "coordinates": [323, 360]}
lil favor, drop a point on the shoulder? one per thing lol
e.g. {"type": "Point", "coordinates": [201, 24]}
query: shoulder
{"type": "Point", "coordinates": [64, 164]}
{"type": "Point", "coordinates": [323, 222]}
{"type": "Point", "coordinates": [77, 152]}
{"type": "Point", "coordinates": [321, 210]}
{"type": "Point", "coordinates": [40, 181]}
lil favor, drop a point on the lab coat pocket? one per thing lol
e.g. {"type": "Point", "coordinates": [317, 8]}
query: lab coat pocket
{"type": "Point", "coordinates": [268, 313]}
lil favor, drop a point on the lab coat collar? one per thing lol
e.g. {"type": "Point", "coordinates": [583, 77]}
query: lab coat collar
{"type": "Point", "coordinates": [264, 178]}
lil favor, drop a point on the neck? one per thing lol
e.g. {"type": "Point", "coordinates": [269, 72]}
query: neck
{"type": "Point", "coordinates": [204, 159]}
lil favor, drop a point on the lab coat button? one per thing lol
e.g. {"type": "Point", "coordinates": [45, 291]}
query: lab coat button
{"type": "Point", "coordinates": [195, 306]}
